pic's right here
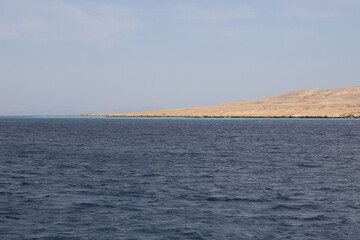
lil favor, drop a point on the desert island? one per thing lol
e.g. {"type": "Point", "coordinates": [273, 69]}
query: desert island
{"type": "Point", "coordinates": [316, 103]}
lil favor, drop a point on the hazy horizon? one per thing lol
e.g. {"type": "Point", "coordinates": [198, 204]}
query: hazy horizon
{"type": "Point", "coordinates": [70, 57]}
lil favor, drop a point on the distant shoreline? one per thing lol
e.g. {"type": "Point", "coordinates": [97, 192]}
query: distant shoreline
{"type": "Point", "coordinates": [167, 117]}
{"type": "Point", "coordinates": [316, 103]}
{"type": "Point", "coordinates": [245, 117]}
{"type": "Point", "coordinates": [222, 117]}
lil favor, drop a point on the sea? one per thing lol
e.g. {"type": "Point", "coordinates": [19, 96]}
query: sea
{"type": "Point", "coordinates": [174, 178]}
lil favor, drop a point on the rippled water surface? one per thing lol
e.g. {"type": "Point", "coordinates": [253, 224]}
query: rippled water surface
{"type": "Point", "coordinates": [179, 179]}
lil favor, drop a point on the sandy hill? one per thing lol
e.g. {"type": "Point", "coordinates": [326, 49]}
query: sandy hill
{"type": "Point", "coordinates": [317, 103]}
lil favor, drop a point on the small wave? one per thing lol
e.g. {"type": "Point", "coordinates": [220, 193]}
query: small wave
{"type": "Point", "coordinates": [352, 206]}
{"type": "Point", "coordinates": [307, 165]}
{"type": "Point", "coordinates": [283, 197]}
{"type": "Point", "coordinates": [86, 205]}
{"type": "Point", "coordinates": [92, 205]}
{"type": "Point", "coordinates": [275, 152]}
{"type": "Point", "coordinates": [151, 175]}
{"type": "Point", "coordinates": [314, 218]}
{"type": "Point", "coordinates": [235, 199]}
{"type": "Point", "coordinates": [331, 189]}
{"type": "Point", "coordinates": [206, 176]}
{"type": "Point", "coordinates": [12, 217]}
{"type": "Point", "coordinates": [6, 193]}
{"type": "Point", "coordinates": [106, 229]}
{"type": "Point", "coordinates": [286, 207]}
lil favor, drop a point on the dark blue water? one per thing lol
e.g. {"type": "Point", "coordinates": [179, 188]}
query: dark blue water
{"type": "Point", "coordinates": [179, 179]}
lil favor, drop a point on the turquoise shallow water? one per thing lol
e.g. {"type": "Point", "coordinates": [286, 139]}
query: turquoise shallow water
{"type": "Point", "coordinates": [164, 178]}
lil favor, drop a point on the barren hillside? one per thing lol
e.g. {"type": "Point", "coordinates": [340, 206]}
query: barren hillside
{"type": "Point", "coordinates": [339, 102]}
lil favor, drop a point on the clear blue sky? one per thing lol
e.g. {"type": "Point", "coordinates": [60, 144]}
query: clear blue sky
{"type": "Point", "coordinates": [72, 57]}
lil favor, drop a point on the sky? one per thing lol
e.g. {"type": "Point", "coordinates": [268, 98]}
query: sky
{"type": "Point", "coordinates": [114, 56]}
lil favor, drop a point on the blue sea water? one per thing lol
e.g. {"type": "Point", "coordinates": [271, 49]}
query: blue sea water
{"type": "Point", "coordinates": [106, 178]}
